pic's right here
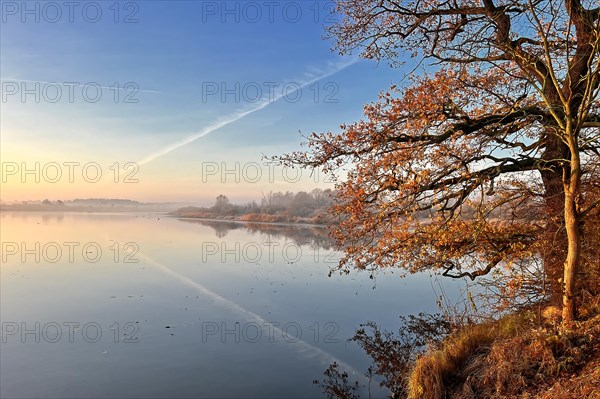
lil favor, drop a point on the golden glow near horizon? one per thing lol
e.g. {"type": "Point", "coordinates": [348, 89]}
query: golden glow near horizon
{"type": "Point", "coordinates": [66, 180]}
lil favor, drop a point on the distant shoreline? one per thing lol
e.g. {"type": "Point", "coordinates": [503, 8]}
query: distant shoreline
{"type": "Point", "coordinates": [169, 215]}
{"type": "Point", "coordinates": [75, 210]}
{"type": "Point", "coordinates": [299, 224]}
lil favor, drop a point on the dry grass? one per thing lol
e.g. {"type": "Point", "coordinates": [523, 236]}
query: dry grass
{"type": "Point", "coordinates": [518, 356]}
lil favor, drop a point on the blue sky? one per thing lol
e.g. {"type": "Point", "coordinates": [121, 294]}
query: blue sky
{"type": "Point", "coordinates": [174, 53]}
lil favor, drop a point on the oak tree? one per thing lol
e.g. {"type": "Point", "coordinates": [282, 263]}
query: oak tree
{"type": "Point", "coordinates": [488, 159]}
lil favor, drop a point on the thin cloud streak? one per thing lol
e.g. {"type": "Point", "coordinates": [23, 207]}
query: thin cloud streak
{"type": "Point", "coordinates": [240, 114]}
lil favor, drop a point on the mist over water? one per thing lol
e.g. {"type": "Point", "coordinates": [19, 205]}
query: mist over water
{"type": "Point", "coordinates": [145, 305]}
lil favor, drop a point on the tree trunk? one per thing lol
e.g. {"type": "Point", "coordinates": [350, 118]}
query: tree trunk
{"type": "Point", "coordinates": [554, 251]}
{"type": "Point", "coordinates": [573, 229]}
{"type": "Point", "coordinates": [571, 264]}
{"type": "Point", "coordinates": [554, 237]}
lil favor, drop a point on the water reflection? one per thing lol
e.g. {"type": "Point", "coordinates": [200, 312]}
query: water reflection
{"type": "Point", "coordinates": [219, 309]}
{"type": "Point", "coordinates": [315, 236]}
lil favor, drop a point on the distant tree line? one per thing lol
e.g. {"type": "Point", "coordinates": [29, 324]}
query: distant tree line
{"type": "Point", "coordinates": [300, 207]}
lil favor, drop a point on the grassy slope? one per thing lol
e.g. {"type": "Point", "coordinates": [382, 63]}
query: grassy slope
{"type": "Point", "coordinates": [524, 355]}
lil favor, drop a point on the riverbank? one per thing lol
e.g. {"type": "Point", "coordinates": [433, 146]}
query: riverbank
{"type": "Point", "coordinates": [525, 355]}
{"type": "Point", "coordinates": [276, 219]}
{"type": "Point", "coordinates": [235, 220]}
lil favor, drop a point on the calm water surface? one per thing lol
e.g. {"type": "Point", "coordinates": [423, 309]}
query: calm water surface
{"type": "Point", "coordinates": [143, 305]}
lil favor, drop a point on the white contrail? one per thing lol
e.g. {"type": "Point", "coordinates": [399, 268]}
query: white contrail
{"type": "Point", "coordinates": [324, 357]}
{"type": "Point", "coordinates": [241, 114]}
{"type": "Point", "coordinates": [118, 87]}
